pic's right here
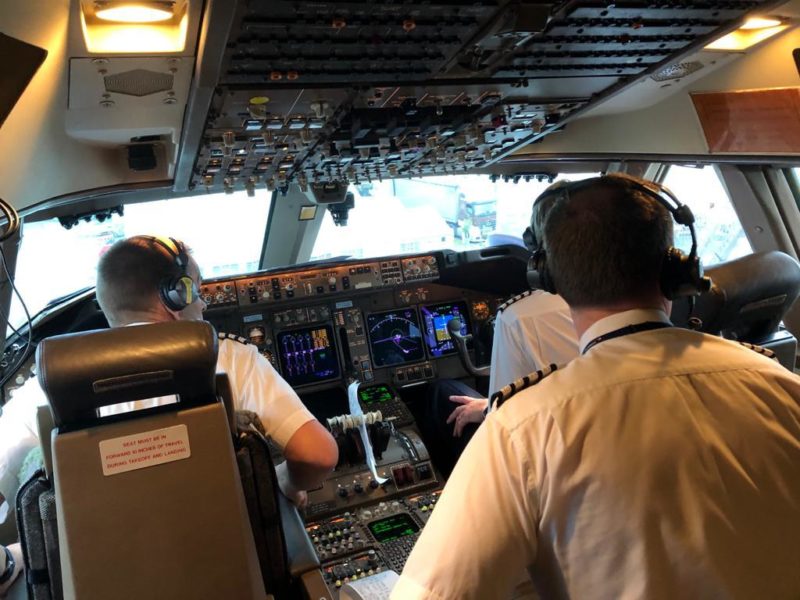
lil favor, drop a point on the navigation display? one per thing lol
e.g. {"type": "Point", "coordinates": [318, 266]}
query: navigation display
{"type": "Point", "coordinates": [308, 355]}
{"type": "Point", "coordinates": [394, 527]}
{"type": "Point", "coordinates": [436, 318]}
{"type": "Point", "coordinates": [395, 337]}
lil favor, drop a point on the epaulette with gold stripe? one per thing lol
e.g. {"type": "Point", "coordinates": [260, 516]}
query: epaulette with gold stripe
{"type": "Point", "coordinates": [513, 299]}
{"type": "Point", "coordinates": [503, 394]}
{"type": "Point", "coordinates": [234, 337]}
{"type": "Point", "coordinates": [761, 350]}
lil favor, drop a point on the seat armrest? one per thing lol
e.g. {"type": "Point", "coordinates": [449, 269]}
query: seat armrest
{"type": "Point", "coordinates": [299, 550]}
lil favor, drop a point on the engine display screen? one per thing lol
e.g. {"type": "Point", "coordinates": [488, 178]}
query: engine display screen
{"type": "Point", "coordinates": [377, 394]}
{"type": "Point", "coordinates": [436, 318]}
{"type": "Point", "coordinates": [394, 527]}
{"type": "Point", "coordinates": [395, 337]}
{"type": "Point", "coordinates": [308, 355]}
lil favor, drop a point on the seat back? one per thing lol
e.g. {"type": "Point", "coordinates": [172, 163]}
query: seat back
{"type": "Point", "coordinates": [748, 300]}
{"type": "Point", "coordinates": [149, 502]}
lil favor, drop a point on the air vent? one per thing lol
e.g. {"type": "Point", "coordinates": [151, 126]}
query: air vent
{"type": "Point", "coordinates": [139, 82]}
{"type": "Point", "coordinates": [677, 71]}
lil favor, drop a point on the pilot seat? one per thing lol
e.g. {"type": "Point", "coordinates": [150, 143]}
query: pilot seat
{"type": "Point", "coordinates": [150, 503]}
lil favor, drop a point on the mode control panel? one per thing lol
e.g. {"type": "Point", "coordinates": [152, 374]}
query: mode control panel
{"type": "Point", "coordinates": [219, 294]}
{"type": "Point", "coordinates": [301, 316]}
{"type": "Point", "coordinates": [420, 267]}
{"type": "Point", "coordinates": [271, 288]}
{"type": "Point", "coordinates": [281, 286]}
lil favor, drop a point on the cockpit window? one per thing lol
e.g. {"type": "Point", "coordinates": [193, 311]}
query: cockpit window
{"type": "Point", "coordinates": [459, 212]}
{"type": "Point", "coordinates": [224, 231]}
{"type": "Point", "coordinates": [720, 236]}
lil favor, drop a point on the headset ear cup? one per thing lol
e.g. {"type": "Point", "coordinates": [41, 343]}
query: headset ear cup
{"type": "Point", "coordinates": [178, 293]}
{"type": "Point", "coordinates": [670, 273]}
{"type": "Point", "coordinates": [543, 280]}
{"type": "Point", "coordinates": [682, 275]}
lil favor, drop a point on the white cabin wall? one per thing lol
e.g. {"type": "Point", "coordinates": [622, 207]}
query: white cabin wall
{"type": "Point", "coordinates": [671, 126]}
{"type": "Point", "coordinates": [39, 159]}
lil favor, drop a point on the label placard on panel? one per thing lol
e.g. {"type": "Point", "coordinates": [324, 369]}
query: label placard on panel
{"type": "Point", "coordinates": [145, 449]}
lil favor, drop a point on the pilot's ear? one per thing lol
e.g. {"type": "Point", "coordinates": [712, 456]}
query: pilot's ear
{"type": "Point", "coordinates": [169, 314]}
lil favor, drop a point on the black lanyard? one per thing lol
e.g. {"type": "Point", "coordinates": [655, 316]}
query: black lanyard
{"type": "Point", "coordinates": [627, 330]}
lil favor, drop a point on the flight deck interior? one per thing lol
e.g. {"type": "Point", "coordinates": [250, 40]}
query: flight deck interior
{"type": "Point", "coordinates": [352, 178]}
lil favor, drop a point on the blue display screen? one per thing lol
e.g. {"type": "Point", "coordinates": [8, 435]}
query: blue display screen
{"type": "Point", "coordinates": [308, 355]}
{"type": "Point", "coordinates": [395, 337]}
{"type": "Point", "coordinates": [436, 318]}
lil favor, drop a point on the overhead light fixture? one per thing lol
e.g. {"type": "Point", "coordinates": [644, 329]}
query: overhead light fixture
{"type": "Point", "coordinates": [760, 23]}
{"type": "Point", "coordinates": [134, 12]}
{"type": "Point", "coordinates": [137, 27]}
{"type": "Point", "coordinates": [754, 31]}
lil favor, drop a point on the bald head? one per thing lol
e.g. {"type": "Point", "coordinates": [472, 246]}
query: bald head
{"type": "Point", "coordinates": [605, 242]}
{"type": "Point", "coordinates": [128, 279]}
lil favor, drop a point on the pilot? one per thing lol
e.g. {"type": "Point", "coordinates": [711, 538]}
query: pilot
{"type": "Point", "coordinates": [532, 330]}
{"type": "Point", "coordinates": [147, 280]}
{"type": "Point", "coordinates": [10, 566]}
{"type": "Point", "coordinates": [660, 463]}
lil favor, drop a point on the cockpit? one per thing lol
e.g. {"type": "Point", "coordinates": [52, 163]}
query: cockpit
{"type": "Point", "coordinates": [351, 178]}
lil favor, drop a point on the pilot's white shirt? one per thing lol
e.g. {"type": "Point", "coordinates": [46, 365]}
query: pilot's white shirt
{"type": "Point", "coordinates": [255, 384]}
{"type": "Point", "coordinates": [531, 333]}
{"type": "Point", "coordinates": [661, 464]}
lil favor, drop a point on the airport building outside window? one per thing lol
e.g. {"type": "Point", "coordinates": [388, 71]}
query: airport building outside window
{"type": "Point", "coordinates": [457, 212]}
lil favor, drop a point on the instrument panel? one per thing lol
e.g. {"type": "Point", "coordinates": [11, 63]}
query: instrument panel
{"type": "Point", "coordinates": [382, 320]}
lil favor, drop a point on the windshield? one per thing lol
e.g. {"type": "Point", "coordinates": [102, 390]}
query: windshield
{"type": "Point", "coordinates": [460, 212]}
{"type": "Point", "coordinates": [720, 236]}
{"type": "Point", "coordinates": [224, 231]}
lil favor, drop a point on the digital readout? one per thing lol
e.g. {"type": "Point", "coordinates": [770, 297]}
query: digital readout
{"type": "Point", "coordinates": [377, 394]}
{"type": "Point", "coordinates": [394, 527]}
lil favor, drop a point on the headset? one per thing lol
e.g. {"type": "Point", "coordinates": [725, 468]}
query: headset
{"type": "Point", "coordinates": [176, 292]}
{"type": "Point", "coordinates": [681, 274]}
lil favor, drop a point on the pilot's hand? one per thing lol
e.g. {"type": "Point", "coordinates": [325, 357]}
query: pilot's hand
{"type": "Point", "coordinates": [472, 410]}
{"type": "Point", "coordinates": [297, 496]}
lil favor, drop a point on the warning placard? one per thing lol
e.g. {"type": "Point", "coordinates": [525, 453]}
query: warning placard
{"type": "Point", "coordinates": [144, 449]}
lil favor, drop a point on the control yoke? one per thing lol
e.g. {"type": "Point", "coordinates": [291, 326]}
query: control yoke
{"type": "Point", "coordinates": [454, 329]}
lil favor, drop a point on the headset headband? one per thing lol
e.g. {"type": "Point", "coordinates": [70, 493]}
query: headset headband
{"type": "Point", "coordinates": [680, 212]}
{"type": "Point", "coordinates": [174, 248]}
{"type": "Point", "coordinates": [681, 275]}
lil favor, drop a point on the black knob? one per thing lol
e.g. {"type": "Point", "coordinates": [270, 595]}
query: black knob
{"type": "Point", "coordinates": [358, 488]}
{"type": "Point", "coordinates": [373, 484]}
{"type": "Point", "coordinates": [343, 493]}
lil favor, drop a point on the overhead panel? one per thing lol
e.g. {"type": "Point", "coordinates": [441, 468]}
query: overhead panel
{"type": "Point", "coordinates": [323, 92]}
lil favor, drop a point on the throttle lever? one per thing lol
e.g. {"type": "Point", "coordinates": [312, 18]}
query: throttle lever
{"type": "Point", "coordinates": [460, 341]}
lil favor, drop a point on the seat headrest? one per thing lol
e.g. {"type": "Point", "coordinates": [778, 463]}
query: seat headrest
{"type": "Point", "coordinates": [81, 372]}
{"type": "Point", "coordinates": [748, 298]}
